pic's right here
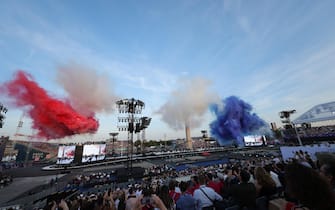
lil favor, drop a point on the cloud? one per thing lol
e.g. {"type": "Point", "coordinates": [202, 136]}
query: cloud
{"type": "Point", "coordinates": [301, 81]}
{"type": "Point", "coordinates": [62, 47]}
{"type": "Point", "coordinates": [149, 78]}
{"type": "Point", "coordinates": [245, 24]}
{"type": "Point", "coordinates": [261, 52]}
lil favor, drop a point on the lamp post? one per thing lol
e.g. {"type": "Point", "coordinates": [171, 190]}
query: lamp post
{"type": "Point", "coordinates": [285, 115]}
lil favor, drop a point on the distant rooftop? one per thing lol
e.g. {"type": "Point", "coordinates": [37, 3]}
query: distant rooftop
{"type": "Point", "coordinates": [321, 112]}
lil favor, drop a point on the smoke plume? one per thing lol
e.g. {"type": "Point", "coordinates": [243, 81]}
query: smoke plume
{"type": "Point", "coordinates": [187, 104]}
{"type": "Point", "coordinates": [51, 117]}
{"type": "Point", "coordinates": [88, 91]}
{"type": "Point", "coordinates": [233, 121]}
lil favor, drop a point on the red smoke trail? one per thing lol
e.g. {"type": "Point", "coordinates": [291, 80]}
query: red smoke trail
{"type": "Point", "coordinates": [52, 117]}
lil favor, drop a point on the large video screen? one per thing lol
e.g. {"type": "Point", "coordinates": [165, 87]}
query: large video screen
{"type": "Point", "coordinates": [66, 154]}
{"type": "Point", "coordinates": [254, 140]}
{"type": "Point", "coordinates": [94, 152]}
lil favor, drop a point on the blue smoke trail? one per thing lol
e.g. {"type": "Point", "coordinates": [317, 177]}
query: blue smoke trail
{"type": "Point", "coordinates": [234, 121]}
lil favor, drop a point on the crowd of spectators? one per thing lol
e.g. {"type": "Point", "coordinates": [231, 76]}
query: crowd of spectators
{"type": "Point", "coordinates": [294, 185]}
{"type": "Point", "coordinates": [247, 183]}
{"type": "Point", "coordinates": [10, 165]}
{"type": "Point", "coordinates": [90, 180]}
{"type": "Point", "coordinates": [310, 132]}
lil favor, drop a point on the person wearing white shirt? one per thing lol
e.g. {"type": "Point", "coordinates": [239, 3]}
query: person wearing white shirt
{"type": "Point", "coordinates": [275, 178]}
{"type": "Point", "coordinates": [205, 195]}
{"type": "Point", "coordinates": [273, 175]}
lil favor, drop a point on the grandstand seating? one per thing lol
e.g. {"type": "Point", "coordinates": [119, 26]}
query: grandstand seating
{"type": "Point", "coordinates": [313, 134]}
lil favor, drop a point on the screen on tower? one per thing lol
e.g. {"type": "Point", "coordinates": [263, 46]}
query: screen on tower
{"type": "Point", "coordinates": [66, 154]}
{"type": "Point", "coordinates": [93, 152]}
{"type": "Point", "coordinates": [254, 140]}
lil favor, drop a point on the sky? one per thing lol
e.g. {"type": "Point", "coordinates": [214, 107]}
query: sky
{"type": "Point", "coordinates": [275, 55]}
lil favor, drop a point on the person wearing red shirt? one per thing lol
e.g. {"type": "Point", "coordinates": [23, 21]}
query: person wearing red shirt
{"type": "Point", "coordinates": [195, 185]}
{"type": "Point", "coordinates": [215, 185]}
{"type": "Point", "coordinates": [172, 190]}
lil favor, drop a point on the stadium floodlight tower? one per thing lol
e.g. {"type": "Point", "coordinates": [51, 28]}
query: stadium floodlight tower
{"type": "Point", "coordinates": [141, 126]}
{"type": "Point", "coordinates": [205, 137]}
{"type": "Point", "coordinates": [113, 135]}
{"type": "Point", "coordinates": [285, 116]}
{"type": "Point", "coordinates": [129, 110]}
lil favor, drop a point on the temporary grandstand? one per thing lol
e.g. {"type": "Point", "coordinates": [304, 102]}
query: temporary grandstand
{"type": "Point", "coordinates": [315, 125]}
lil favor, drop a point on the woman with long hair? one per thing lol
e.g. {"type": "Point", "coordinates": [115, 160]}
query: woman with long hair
{"type": "Point", "coordinates": [163, 194]}
{"type": "Point", "coordinates": [265, 186]}
{"type": "Point", "coordinates": [309, 188]}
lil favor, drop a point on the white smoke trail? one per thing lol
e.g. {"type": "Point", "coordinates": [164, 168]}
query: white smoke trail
{"type": "Point", "coordinates": [187, 104]}
{"type": "Point", "coordinates": [89, 92]}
